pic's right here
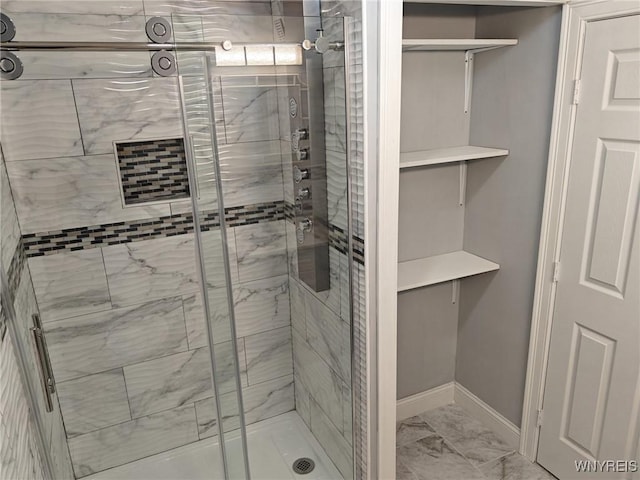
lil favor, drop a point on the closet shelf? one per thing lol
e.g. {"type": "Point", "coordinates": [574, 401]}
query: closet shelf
{"type": "Point", "coordinates": [441, 268]}
{"type": "Point", "coordinates": [442, 44]}
{"type": "Point", "coordinates": [448, 155]}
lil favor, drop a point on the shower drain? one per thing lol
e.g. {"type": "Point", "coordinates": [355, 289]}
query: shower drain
{"type": "Point", "coordinates": [303, 465]}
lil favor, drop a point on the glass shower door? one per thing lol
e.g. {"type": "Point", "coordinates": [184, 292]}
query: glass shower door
{"type": "Point", "coordinates": [265, 115]}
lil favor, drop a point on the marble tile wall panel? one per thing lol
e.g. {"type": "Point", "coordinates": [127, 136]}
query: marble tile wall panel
{"type": "Point", "coordinates": [123, 336]}
{"type": "Point", "coordinates": [329, 336]}
{"type": "Point", "coordinates": [157, 268]}
{"type": "Point", "coordinates": [214, 260]}
{"type": "Point", "coordinates": [337, 189]}
{"type": "Point", "coordinates": [298, 312]}
{"type": "Point", "coordinates": [340, 8]}
{"type": "Point", "coordinates": [251, 173]}
{"type": "Point", "coordinates": [261, 305]}
{"type": "Point", "coordinates": [59, 193]}
{"type": "Point", "coordinates": [43, 106]}
{"type": "Point", "coordinates": [102, 7]}
{"type": "Point", "coordinates": [70, 284]}
{"type": "Point", "coordinates": [206, 7]}
{"type": "Point", "coordinates": [10, 231]}
{"type": "Point", "coordinates": [59, 448]}
{"type": "Point", "coordinates": [334, 109]}
{"type": "Point", "coordinates": [132, 440]}
{"type": "Point", "coordinates": [249, 107]}
{"type": "Point", "coordinates": [180, 379]}
{"type": "Point", "coordinates": [269, 355]}
{"type": "Point", "coordinates": [303, 406]}
{"type": "Point", "coordinates": [125, 109]}
{"type": "Point", "coordinates": [195, 318]}
{"type": "Point", "coordinates": [93, 402]}
{"type": "Point", "coordinates": [261, 250]}
{"type": "Point", "coordinates": [56, 26]}
{"type": "Point", "coordinates": [332, 441]}
{"type": "Point", "coordinates": [261, 401]}
{"type": "Point", "coordinates": [323, 384]}
{"type": "Point", "coordinates": [19, 455]}
{"type": "Point", "coordinates": [238, 28]}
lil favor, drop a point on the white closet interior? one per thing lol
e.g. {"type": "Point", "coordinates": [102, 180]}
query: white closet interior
{"type": "Point", "coordinates": [477, 98]}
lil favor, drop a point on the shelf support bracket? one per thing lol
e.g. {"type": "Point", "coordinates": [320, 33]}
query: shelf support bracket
{"type": "Point", "coordinates": [469, 56]}
{"type": "Point", "coordinates": [463, 182]}
{"type": "Point", "coordinates": [455, 291]}
{"type": "Point", "coordinates": [468, 79]}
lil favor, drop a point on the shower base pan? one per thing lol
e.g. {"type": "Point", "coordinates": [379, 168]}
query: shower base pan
{"type": "Point", "coordinates": [274, 445]}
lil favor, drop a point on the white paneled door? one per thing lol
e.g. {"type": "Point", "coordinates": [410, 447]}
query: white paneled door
{"type": "Point", "coordinates": [591, 410]}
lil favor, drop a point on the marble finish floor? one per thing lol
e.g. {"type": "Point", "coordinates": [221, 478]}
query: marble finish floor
{"type": "Point", "coordinates": [447, 444]}
{"type": "Point", "coordinates": [273, 446]}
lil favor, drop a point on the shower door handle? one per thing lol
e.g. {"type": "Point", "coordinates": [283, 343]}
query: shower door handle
{"type": "Point", "coordinates": [46, 372]}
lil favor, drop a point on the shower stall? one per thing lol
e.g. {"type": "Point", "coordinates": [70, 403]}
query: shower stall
{"type": "Point", "coordinates": [180, 240]}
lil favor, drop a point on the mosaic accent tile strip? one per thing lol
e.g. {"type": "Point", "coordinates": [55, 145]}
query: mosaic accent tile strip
{"type": "Point", "coordinates": [289, 212]}
{"type": "Point", "coordinates": [246, 215]}
{"type": "Point", "coordinates": [81, 238]}
{"type": "Point", "coordinates": [152, 170]}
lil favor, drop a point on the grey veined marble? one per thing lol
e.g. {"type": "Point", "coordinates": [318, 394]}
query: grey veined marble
{"type": "Point", "coordinates": [39, 120]}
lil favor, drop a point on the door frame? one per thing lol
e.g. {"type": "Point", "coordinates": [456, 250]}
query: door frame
{"type": "Point", "coordinates": [575, 17]}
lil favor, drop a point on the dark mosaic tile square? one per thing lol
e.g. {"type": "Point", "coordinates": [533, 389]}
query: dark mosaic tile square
{"type": "Point", "coordinates": [153, 170]}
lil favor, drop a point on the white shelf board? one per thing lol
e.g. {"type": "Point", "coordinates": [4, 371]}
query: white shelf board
{"type": "Point", "coordinates": [503, 3]}
{"type": "Point", "coordinates": [461, 44]}
{"type": "Point", "coordinates": [447, 155]}
{"type": "Point", "coordinates": [441, 268]}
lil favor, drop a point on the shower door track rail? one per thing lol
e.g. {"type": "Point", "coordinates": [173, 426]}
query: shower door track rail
{"type": "Point", "coordinates": [143, 46]}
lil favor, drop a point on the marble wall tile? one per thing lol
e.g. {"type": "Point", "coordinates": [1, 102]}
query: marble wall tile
{"type": "Point", "coordinates": [132, 440]}
{"type": "Point", "coordinates": [195, 318]}
{"type": "Point", "coordinates": [322, 383]}
{"type": "Point", "coordinates": [214, 260]}
{"type": "Point", "coordinates": [332, 441]}
{"type": "Point", "coordinates": [329, 336]}
{"type": "Point", "coordinates": [251, 173]}
{"type": "Point", "coordinates": [70, 284]}
{"type": "Point", "coordinates": [269, 355]}
{"type": "Point", "coordinates": [249, 108]}
{"type": "Point", "coordinates": [123, 336]}
{"type": "Point", "coordinates": [334, 109]}
{"type": "Point", "coordinates": [59, 448]}
{"type": "Point", "coordinates": [59, 193]}
{"type": "Point", "coordinates": [297, 301]}
{"type": "Point", "coordinates": [93, 402]}
{"type": "Point", "coordinates": [157, 268]}
{"type": "Point", "coordinates": [102, 7]}
{"type": "Point", "coordinates": [337, 189]}
{"type": "Point", "coordinates": [347, 413]}
{"type": "Point", "coordinates": [180, 379]}
{"type": "Point", "coordinates": [261, 250]}
{"type": "Point", "coordinates": [261, 305]}
{"type": "Point", "coordinates": [261, 401]}
{"type": "Point", "coordinates": [39, 120]}
{"type": "Point", "coordinates": [254, 29]}
{"type": "Point", "coordinates": [292, 249]}
{"type": "Point", "coordinates": [207, 7]}
{"type": "Point", "coordinates": [303, 406]}
{"type": "Point", "coordinates": [10, 231]}
{"type": "Point", "coordinates": [61, 65]}
{"type": "Point", "coordinates": [125, 109]}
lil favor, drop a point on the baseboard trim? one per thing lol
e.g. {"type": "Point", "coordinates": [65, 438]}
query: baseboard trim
{"type": "Point", "coordinates": [453, 392]}
{"type": "Point", "coordinates": [484, 413]}
{"type": "Point", "coordinates": [421, 402]}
